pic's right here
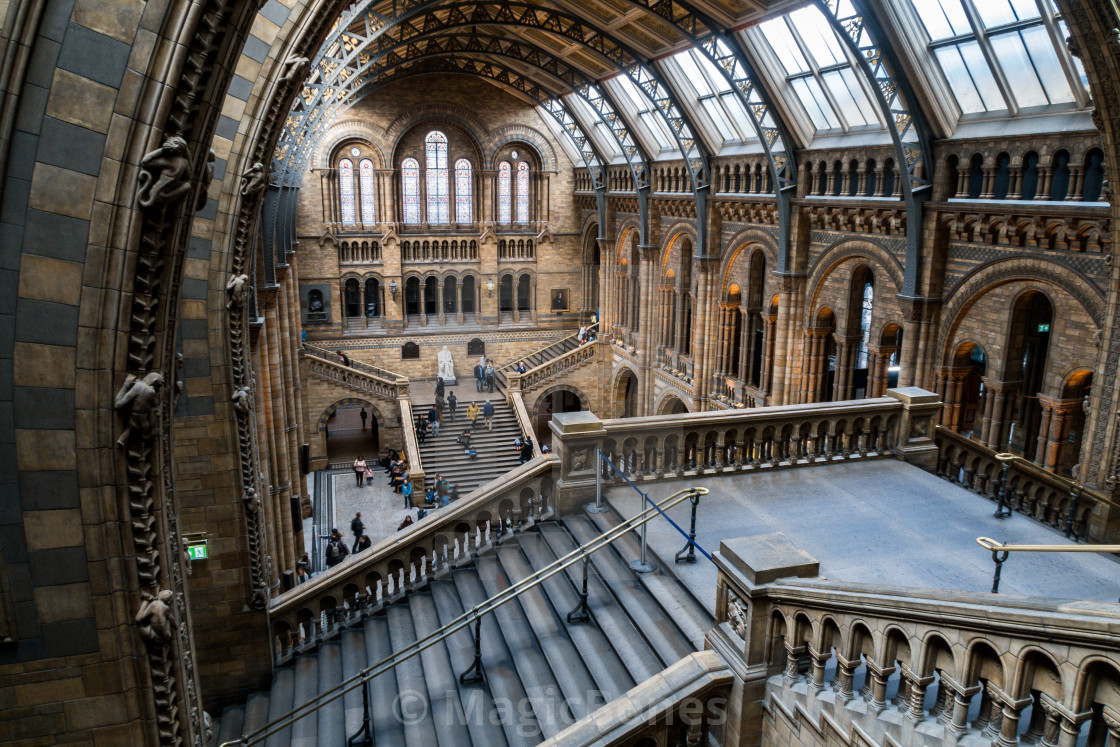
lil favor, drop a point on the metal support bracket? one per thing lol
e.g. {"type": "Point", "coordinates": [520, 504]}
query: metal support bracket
{"type": "Point", "coordinates": [474, 675]}
{"type": "Point", "coordinates": [580, 613]}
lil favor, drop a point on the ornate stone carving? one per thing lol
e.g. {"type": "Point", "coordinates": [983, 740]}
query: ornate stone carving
{"type": "Point", "coordinates": [138, 397]}
{"type": "Point", "coordinates": [156, 619]}
{"type": "Point", "coordinates": [165, 175]}
{"type": "Point", "coordinates": [237, 289]}
{"type": "Point", "coordinates": [254, 179]}
{"type": "Point", "coordinates": [294, 68]}
{"type": "Point", "coordinates": [207, 177]}
{"type": "Point", "coordinates": [738, 614]}
{"type": "Point", "coordinates": [242, 400]}
{"type": "Point", "coordinates": [579, 460]}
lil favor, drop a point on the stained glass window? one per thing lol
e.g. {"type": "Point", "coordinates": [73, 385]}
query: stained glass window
{"type": "Point", "coordinates": [365, 186]}
{"type": "Point", "coordinates": [410, 186]}
{"type": "Point", "coordinates": [435, 154]}
{"type": "Point", "coordinates": [865, 325]}
{"type": "Point", "coordinates": [463, 192]}
{"type": "Point", "coordinates": [505, 206]}
{"type": "Point", "coordinates": [346, 191]}
{"type": "Point", "coordinates": [522, 192]}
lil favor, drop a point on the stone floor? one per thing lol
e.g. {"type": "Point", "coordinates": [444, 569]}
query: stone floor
{"type": "Point", "coordinates": [878, 522]}
{"type": "Point", "coordinates": [382, 509]}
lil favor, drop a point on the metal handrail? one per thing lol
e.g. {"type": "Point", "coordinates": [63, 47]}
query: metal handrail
{"type": "Point", "coordinates": [475, 614]}
{"type": "Point", "coordinates": [331, 356]}
{"type": "Point", "coordinates": [999, 547]}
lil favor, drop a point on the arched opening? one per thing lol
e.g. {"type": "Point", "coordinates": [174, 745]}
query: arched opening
{"type": "Point", "coordinates": [1003, 176]}
{"type": "Point", "coordinates": [1059, 178]}
{"type": "Point", "coordinates": [755, 337]}
{"type": "Point", "coordinates": [468, 292]}
{"type": "Point", "coordinates": [1027, 349]}
{"type": "Point", "coordinates": [349, 435]}
{"type": "Point", "coordinates": [965, 390]}
{"type": "Point", "coordinates": [412, 296]}
{"type": "Point", "coordinates": [561, 400]}
{"type": "Point", "coordinates": [672, 405]}
{"type": "Point", "coordinates": [1094, 175]}
{"type": "Point", "coordinates": [505, 294]}
{"type": "Point", "coordinates": [861, 303]}
{"type": "Point", "coordinates": [524, 293]}
{"type": "Point", "coordinates": [1068, 424]}
{"type": "Point", "coordinates": [1029, 182]}
{"type": "Point", "coordinates": [626, 395]}
{"type": "Point", "coordinates": [353, 298]}
{"type": "Point", "coordinates": [431, 296]}
{"type": "Point", "coordinates": [373, 297]}
{"type": "Point", "coordinates": [821, 381]}
{"type": "Point", "coordinates": [976, 177]}
{"type": "Point", "coordinates": [450, 295]}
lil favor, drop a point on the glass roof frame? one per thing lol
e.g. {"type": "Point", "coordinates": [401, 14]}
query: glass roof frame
{"type": "Point", "coordinates": [982, 28]}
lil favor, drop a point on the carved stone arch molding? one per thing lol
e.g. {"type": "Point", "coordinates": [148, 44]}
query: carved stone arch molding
{"type": "Point", "coordinates": [584, 402]}
{"type": "Point", "coordinates": [342, 131]}
{"type": "Point", "coordinates": [676, 230]}
{"type": "Point", "coordinates": [435, 112]}
{"type": "Point", "coordinates": [843, 250]}
{"type": "Point", "coordinates": [743, 244]}
{"type": "Point", "coordinates": [524, 134]}
{"type": "Point", "coordinates": [987, 276]}
{"type": "Point", "coordinates": [674, 393]}
{"type": "Point", "coordinates": [628, 226]}
{"type": "Point", "coordinates": [346, 402]}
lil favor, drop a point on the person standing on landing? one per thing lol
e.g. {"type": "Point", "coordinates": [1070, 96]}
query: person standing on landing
{"type": "Point", "coordinates": [360, 470]}
{"type": "Point", "coordinates": [358, 528]}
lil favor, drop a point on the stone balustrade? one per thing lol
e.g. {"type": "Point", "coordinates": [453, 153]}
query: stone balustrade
{"type": "Point", "coordinates": [341, 596]}
{"type": "Point", "coordinates": [1031, 490]}
{"type": "Point", "coordinates": [441, 249]}
{"type": "Point", "coordinates": [381, 375]}
{"type": "Point", "coordinates": [908, 666]}
{"type": "Point", "coordinates": [1078, 228]}
{"type": "Point", "coordinates": [745, 440]}
{"type": "Point", "coordinates": [537, 377]}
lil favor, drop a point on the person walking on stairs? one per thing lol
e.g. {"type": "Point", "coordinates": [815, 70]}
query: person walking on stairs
{"type": "Point", "coordinates": [433, 420]}
{"type": "Point", "coordinates": [358, 528]}
{"type": "Point", "coordinates": [439, 408]}
{"type": "Point", "coordinates": [452, 404]}
{"type": "Point", "coordinates": [488, 414]}
{"type": "Point", "coordinates": [360, 470]}
{"type": "Point", "coordinates": [472, 413]}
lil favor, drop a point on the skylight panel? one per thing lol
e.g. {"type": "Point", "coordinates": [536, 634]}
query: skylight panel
{"type": "Point", "coordinates": [817, 106]}
{"type": "Point", "coordinates": [1001, 12]}
{"type": "Point", "coordinates": [943, 18]}
{"type": "Point", "coordinates": [781, 40]}
{"type": "Point", "coordinates": [849, 97]}
{"type": "Point", "coordinates": [692, 73]}
{"type": "Point", "coordinates": [818, 37]}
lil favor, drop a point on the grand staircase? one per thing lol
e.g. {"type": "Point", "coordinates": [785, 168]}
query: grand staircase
{"type": "Point", "coordinates": [496, 454]}
{"type": "Point", "coordinates": [541, 672]}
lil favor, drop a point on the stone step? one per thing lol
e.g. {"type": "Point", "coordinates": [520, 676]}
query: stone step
{"type": "Point", "coordinates": [388, 731]}
{"type": "Point", "coordinates": [280, 702]}
{"type": "Point", "coordinates": [305, 731]}
{"type": "Point", "coordinates": [332, 716]}
{"type": "Point", "coordinates": [229, 726]}
{"type": "Point", "coordinates": [443, 693]}
{"type": "Point", "coordinates": [411, 683]}
{"type": "Point", "coordinates": [353, 661]}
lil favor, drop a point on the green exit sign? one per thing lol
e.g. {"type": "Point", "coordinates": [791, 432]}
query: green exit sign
{"type": "Point", "coordinates": [1044, 328]}
{"type": "Point", "coordinates": [198, 551]}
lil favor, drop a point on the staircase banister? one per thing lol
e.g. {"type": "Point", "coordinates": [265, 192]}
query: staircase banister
{"type": "Point", "coordinates": [523, 420]}
{"type": "Point", "coordinates": [647, 705]}
{"type": "Point", "coordinates": [330, 356]}
{"type": "Point", "coordinates": [504, 596]}
{"type": "Point", "coordinates": [556, 363]}
{"type": "Point", "coordinates": [411, 445]}
{"type": "Point", "coordinates": [762, 415]}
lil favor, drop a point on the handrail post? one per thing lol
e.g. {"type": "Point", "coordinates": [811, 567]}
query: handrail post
{"type": "Point", "coordinates": [1002, 511]}
{"type": "Point", "coordinates": [580, 614]}
{"type": "Point", "coordinates": [1074, 497]}
{"type": "Point", "coordinates": [363, 737]}
{"type": "Point", "coordinates": [474, 675]}
{"type": "Point", "coordinates": [598, 508]}
{"type": "Point", "coordinates": [688, 552]}
{"type": "Point", "coordinates": [999, 568]}
{"type": "Point", "coordinates": [643, 565]}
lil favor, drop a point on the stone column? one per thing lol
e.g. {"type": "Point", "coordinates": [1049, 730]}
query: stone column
{"type": "Point", "coordinates": [769, 330]}
{"type": "Point", "coordinates": [1044, 427]}
{"type": "Point", "coordinates": [439, 301]}
{"type": "Point", "coordinates": [780, 394]}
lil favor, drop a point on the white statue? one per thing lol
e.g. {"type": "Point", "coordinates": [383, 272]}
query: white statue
{"type": "Point", "coordinates": [445, 368]}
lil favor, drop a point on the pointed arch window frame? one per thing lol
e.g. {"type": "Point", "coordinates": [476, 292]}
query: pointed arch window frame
{"type": "Point", "coordinates": [436, 178]}
{"type": "Point", "coordinates": [505, 192]}
{"type": "Point", "coordinates": [521, 192]}
{"type": "Point", "coordinates": [464, 191]}
{"type": "Point", "coordinates": [366, 191]}
{"type": "Point", "coordinates": [347, 207]}
{"type": "Point", "coordinates": [410, 191]}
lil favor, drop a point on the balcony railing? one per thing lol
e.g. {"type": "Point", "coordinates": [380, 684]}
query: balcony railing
{"type": "Point", "coordinates": [1031, 490]}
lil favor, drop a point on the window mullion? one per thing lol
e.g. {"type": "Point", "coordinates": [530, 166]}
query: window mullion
{"type": "Point", "coordinates": [864, 83]}
{"type": "Point", "coordinates": [990, 56]}
{"type": "Point", "coordinates": [1080, 95]}
{"type": "Point", "coordinates": [821, 82]}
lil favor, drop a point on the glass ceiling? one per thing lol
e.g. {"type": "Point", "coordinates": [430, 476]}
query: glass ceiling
{"type": "Point", "coordinates": [993, 57]}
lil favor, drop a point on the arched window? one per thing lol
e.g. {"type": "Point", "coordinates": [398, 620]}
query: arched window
{"type": "Point", "coordinates": [410, 186]}
{"type": "Point", "coordinates": [522, 192]}
{"type": "Point", "coordinates": [365, 186]}
{"type": "Point", "coordinates": [463, 206]}
{"type": "Point", "coordinates": [346, 191]}
{"type": "Point", "coordinates": [505, 205]}
{"type": "Point", "coordinates": [865, 324]}
{"type": "Point", "coordinates": [435, 156]}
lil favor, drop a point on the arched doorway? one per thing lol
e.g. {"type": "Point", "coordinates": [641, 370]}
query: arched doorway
{"type": "Point", "coordinates": [551, 403]}
{"type": "Point", "coordinates": [450, 295]}
{"type": "Point", "coordinates": [373, 297]}
{"type": "Point", "coordinates": [524, 293]}
{"type": "Point", "coordinates": [857, 361]}
{"type": "Point", "coordinates": [626, 395]}
{"type": "Point", "coordinates": [672, 406]}
{"type": "Point", "coordinates": [468, 294]}
{"type": "Point", "coordinates": [965, 390]}
{"type": "Point", "coordinates": [1027, 350]}
{"type": "Point", "coordinates": [353, 298]}
{"type": "Point", "coordinates": [1067, 426]}
{"type": "Point", "coordinates": [412, 296]}
{"type": "Point", "coordinates": [347, 437]}
{"type": "Point", "coordinates": [820, 356]}
{"type": "Point", "coordinates": [431, 296]}
{"type": "Point", "coordinates": [505, 295]}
